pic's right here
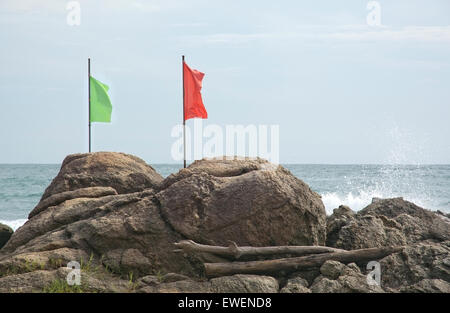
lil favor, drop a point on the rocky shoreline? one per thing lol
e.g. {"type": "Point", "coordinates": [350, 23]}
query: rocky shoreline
{"type": "Point", "coordinates": [119, 219]}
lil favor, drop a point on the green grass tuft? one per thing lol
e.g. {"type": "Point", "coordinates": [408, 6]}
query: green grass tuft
{"type": "Point", "coordinates": [61, 286]}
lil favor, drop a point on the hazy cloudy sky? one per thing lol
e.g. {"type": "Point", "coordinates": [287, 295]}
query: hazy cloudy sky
{"type": "Point", "coordinates": [341, 91]}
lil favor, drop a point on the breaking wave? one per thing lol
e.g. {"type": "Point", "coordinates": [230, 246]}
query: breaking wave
{"type": "Point", "coordinates": [361, 199]}
{"type": "Point", "coordinates": [15, 224]}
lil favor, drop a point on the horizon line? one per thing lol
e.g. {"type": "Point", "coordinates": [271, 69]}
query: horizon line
{"type": "Point", "coordinates": [280, 163]}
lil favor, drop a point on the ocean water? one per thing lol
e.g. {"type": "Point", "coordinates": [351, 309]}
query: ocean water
{"type": "Point", "coordinates": [21, 186]}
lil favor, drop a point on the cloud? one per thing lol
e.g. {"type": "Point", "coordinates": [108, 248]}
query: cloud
{"type": "Point", "coordinates": [59, 5]}
{"type": "Point", "coordinates": [409, 33]}
{"type": "Point", "coordinates": [358, 33]}
{"type": "Point", "coordinates": [140, 5]}
{"type": "Point", "coordinates": [189, 25]}
{"type": "Point", "coordinates": [232, 38]}
{"type": "Point", "coordinates": [31, 5]}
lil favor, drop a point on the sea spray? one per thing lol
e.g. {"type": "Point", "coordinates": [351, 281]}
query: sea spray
{"type": "Point", "coordinates": [14, 224]}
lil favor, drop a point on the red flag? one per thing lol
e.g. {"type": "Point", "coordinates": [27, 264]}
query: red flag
{"type": "Point", "coordinates": [193, 104]}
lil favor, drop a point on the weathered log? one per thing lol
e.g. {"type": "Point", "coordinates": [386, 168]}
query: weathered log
{"type": "Point", "coordinates": [297, 263]}
{"type": "Point", "coordinates": [236, 252]}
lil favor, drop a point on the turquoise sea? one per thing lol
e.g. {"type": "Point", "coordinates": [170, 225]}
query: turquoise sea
{"type": "Point", "coordinates": [22, 185]}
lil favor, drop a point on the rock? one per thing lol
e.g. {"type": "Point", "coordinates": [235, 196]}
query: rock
{"type": "Point", "coordinates": [367, 231]}
{"type": "Point", "coordinates": [296, 285]}
{"type": "Point", "coordinates": [226, 284]}
{"type": "Point", "coordinates": [332, 269]}
{"type": "Point", "coordinates": [376, 199]}
{"type": "Point", "coordinates": [125, 261]}
{"type": "Point", "coordinates": [357, 283]}
{"type": "Point", "coordinates": [112, 211]}
{"type": "Point", "coordinates": [447, 216]}
{"type": "Point", "coordinates": [350, 268]}
{"type": "Point", "coordinates": [125, 232]}
{"type": "Point", "coordinates": [218, 168]}
{"type": "Point", "coordinates": [325, 285]}
{"type": "Point", "coordinates": [151, 280]}
{"type": "Point", "coordinates": [173, 277]}
{"type": "Point", "coordinates": [182, 286]}
{"type": "Point", "coordinates": [90, 192]}
{"type": "Point", "coordinates": [349, 280]}
{"type": "Point", "coordinates": [419, 261]}
{"type": "Point", "coordinates": [117, 217]}
{"type": "Point", "coordinates": [340, 217]}
{"type": "Point", "coordinates": [249, 202]}
{"type": "Point", "coordinates": [98, 281]}
{"type": "Point", "coordinates": [5, 233]}
{"type": "Point", "coordinates": [343, 210]}
{"type": "Point", "coordinates": [123, 172]}
{"type": "Point", "coordinates": [307, 274]}
{"type": "Point", "coordinates": [244, 284]}
{"type": "Point", "coordinates": [417, 223]}
{"type": "Point", "coordinates": [27, 282]}
{"type": "Point", "coordinates": [391, 222]}
{"type": "Point", "coordinates": [428, 286]}
{"type": "Point", "coordinates": [31, 260]}
{"type": "Point", "coordinates": [55, 280]}
{"type": "Point", "coordinates": [385, 222]}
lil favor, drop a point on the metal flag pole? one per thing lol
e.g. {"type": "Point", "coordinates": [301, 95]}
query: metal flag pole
{"type": "Point", "coordinates": [184, 121]}
{"type": "Point", "coordinates": [89, 95]}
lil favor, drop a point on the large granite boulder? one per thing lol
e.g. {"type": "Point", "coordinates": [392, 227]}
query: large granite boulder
{"type": "Point", "coordinates": [250, 202]}
{"type": "Point", "coordinates": [123, 172]}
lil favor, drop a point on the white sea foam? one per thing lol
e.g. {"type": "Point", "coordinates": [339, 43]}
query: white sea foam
{"type": "Point", "coordinates": [356, 202]}
{"type": "Point", "coordinates": [15, 224]}
{"type": "Point", "coordinates": [360, 200]}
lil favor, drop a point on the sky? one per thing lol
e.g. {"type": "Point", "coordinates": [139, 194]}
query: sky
{"type": "Point", "coordinates": [340, 90]}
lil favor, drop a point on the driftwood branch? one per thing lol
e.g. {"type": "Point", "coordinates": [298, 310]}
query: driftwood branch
{"type": "Point", "coordinates": [236, 252]}
{"type": "Point", "coordinates": [297, 263]}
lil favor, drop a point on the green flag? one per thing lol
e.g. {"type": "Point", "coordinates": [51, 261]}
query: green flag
{"type": "Point", "coordinates": [101, 107]}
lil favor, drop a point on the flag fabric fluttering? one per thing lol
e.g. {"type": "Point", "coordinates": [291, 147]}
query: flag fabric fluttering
{"type": "Point", "coordinates": [193, 103]}
{"type": "Point", "coordinates": [100, 104]}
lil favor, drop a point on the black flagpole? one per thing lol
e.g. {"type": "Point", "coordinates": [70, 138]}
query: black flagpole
{"type": "Point", "coordinates": [89, 93]}
{"type": "Point", "coordinates": [184, 121]}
